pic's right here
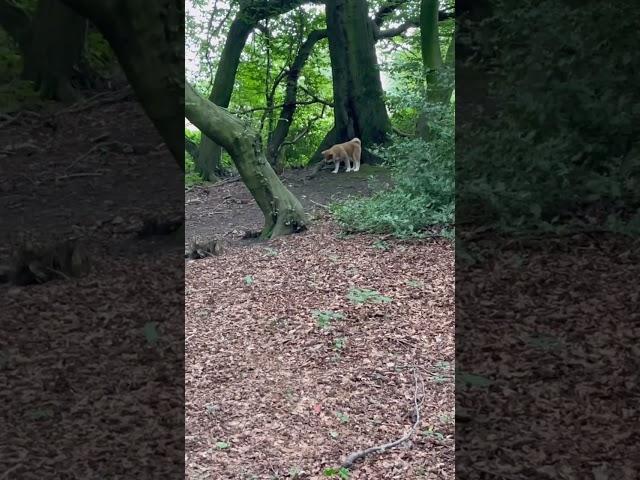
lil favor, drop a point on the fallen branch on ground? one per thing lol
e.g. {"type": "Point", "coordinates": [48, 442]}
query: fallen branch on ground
{"type": "Point", "coordinates": [224, 182]}
{"type": "Point", "coordinates": [418, 394]}
{"type": "Point", "coordinates": [97, 100]}
{"type": "Point", "coordinates": [78, 175]}
{"type": "Point", "coordinates": [319, 204]}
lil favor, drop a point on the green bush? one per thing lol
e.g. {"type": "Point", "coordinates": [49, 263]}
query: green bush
{"type": "Point", "coordinates": [560, 156]}
{"type": "Point", "coordinates": [422, 200]}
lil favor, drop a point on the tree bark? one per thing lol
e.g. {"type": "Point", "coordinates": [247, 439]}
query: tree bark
{"type": "Point", "coordinates": [147, 36]}
{"type": "Point", "coordinates": [359, 109]}
{"type": "Point", "coordinates": [282, 211]}
{"type": "Point", "coordinates": [437, 93]}
{"type": "Point", "coordinates": [57, 44]}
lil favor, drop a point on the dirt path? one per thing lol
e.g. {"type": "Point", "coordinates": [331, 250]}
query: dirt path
{"type": "Point", "coordinates": [228, 210]}
{"type": "Point", "coordinates": [289, 369]}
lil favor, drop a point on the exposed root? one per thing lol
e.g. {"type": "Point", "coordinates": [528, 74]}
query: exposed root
{"type": "Point", "coordinates": [206, 249]}
{"type": "Point", "coordinates": [418, 399]}
{"type": "Point", "coordinates": [41, 263]}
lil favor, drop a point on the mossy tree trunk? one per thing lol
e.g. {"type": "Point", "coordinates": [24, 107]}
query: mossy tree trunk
{"type": "Point", "coordinates": [437, 92]}
{"type": "Point", "coordinates": [147, 37]}
{"type": "Point", "coordinates": [58, 38]}
{"type": "Point", "coordinates": [282, 211]}
{"type": "Point", "coordinates": [359, 108]}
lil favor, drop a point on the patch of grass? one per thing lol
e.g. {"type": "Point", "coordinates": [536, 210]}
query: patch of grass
{"type": "Point", "coordinates": [431, 432]}
{"type": "Point", "coordinates": [339, 343]}
{"type": "Point", "coordinates": [248, 280]}
{"type": "Point", "coordinates": [295, 472]}
{"type": "Point", "coordinates": [151, 332]}
{"type": "Point", "coordinates": [271, 252]}
{"type": "Point", "coordinates": [343, 417]}
{"type": "Point", "coordinates": [382, 245]}
{"type": "Point", "coordinates": [341, 473]}
{"type": "Point", "coordinates": [363, 295]}
{"type": "Point", "coordinates": [325, 317]}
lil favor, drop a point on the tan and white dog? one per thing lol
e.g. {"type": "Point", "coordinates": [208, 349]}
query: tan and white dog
{"type": "Point", "coordinates": [344, 151]}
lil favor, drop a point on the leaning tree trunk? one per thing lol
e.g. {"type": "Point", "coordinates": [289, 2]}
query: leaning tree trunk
{"type": "Point", "coordinates": [359, 108]}
{"type": "Point", "coordinates": [282, 211]}
{"type": "Point", "coordinates": [57, 45]}
{"type": "Point", "coordinates": [147, 37]}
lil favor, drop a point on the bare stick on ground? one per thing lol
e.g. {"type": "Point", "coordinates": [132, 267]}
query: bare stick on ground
{"type": "Point", "coordinates": [418, 399]}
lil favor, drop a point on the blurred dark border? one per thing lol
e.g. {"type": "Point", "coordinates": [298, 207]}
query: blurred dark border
{"type": "Point", "coordinates": [92, 270]}
{"type": "Point", "coordinates": [547, 251]}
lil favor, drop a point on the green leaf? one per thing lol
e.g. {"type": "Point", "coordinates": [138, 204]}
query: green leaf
{"type": "Point", "coordinates": [151, 332]}
{"type": "Point", "coordinates": [222, 445]}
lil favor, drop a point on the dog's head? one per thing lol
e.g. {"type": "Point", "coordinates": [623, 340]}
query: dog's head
{"type": "Point", "coordinates": [328, 156]}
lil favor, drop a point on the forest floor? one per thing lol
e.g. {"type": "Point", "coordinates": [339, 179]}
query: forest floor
{"type": "Point", "coordinates": [75, 348]}
{"type": "Point", "coordinates": [304, 349]}
{"type": "Point", "coordinates": [227, 210]}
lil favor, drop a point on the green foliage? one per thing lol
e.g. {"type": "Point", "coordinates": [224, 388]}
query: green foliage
{"type": "Point", "coordinates": [560, 156]}
{"type": "Point", "coordinates": [341, 473]}
{"type": "Point", "coordinates": [99, 54]}
{"type": "Point", "coordinates": [343, 417]}
{"type": "Point", "coordinates": [248, 280]}
{"type": "Point", "coordinates": [325, 317]}
{"type": "Point", "coordinates": [339, 343]}
{"type": "Point", "coordinates": [422, 200]}
{"type": "Point", "coordinates": [363, 295]}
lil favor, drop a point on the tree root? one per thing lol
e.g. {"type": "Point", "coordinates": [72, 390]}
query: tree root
{"type": "Point", "coordinates": [418, 399]}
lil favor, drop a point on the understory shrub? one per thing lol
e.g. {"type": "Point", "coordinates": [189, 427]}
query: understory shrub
{"type": "Point", "coordinates": [421, 201]}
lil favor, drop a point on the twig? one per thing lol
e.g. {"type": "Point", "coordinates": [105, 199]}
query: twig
{"type": "Point", "coordinates": [77, 175]}
{"type": "Point", "coordinates": [319, 204]}
{"type": "Point", "coordinates": [9, 119]}
{"type": "Point", "coordinates": [96, 100]}
{"type": "Point", "coordinates": [224, 182]}
{"type": "Point", "coordinates": [419, 386]}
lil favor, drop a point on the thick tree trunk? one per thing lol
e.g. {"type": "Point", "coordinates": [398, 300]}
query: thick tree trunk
{"type": "Point", "coordinates": [290, 98]}
{"type": "Point", "coordinates": [359, 108]}
{"type": "Point", "coordinates": [147, 36]}
{"type": "Point", "coordinates": [57, 45]}
{"type": "Point", "coordinates": [282, 211]}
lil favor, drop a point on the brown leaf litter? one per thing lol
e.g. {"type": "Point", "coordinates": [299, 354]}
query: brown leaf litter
{"type": "Point", "coordinates": [271, 393]}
